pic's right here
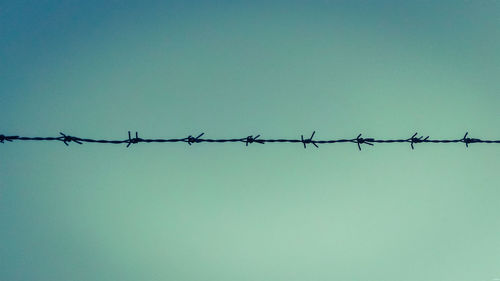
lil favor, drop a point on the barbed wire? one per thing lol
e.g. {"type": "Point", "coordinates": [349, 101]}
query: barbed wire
{"type": "Point", "coordinates": [359, 141]}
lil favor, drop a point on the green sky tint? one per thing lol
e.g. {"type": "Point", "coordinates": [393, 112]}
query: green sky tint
{"type": "Point", "coordinates": [264, 212]}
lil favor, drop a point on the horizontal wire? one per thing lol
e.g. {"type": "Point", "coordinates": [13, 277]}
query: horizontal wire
{"type": "Point", "coordinates": [66, 139]}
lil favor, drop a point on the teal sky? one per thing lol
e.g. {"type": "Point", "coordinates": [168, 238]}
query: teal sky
{"type": "Point", "coordinates": [222, 212]}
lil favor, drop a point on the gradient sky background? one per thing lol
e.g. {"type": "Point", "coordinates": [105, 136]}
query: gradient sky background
{"type": "Point", "coordinates": [264, 212]}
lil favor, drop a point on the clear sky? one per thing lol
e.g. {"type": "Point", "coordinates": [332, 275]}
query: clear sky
{"type": "Point", "coordinates": [222, 212]}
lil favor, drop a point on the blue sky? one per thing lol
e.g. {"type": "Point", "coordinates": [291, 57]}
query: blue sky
{"type": "Point", "coordinates": [167, 69]}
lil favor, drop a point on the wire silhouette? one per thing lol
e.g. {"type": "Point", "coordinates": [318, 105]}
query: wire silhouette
{"type": "Point", "coordinates": [359, 141]}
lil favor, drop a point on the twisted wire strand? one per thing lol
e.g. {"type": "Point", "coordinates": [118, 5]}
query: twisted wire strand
{"type": "Point", "coordinates": [359, 140]}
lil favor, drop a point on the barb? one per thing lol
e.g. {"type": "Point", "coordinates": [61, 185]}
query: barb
{"type": "Point", "coordinates": [467, 140]}
{"type": "Point", "coordinates": [359, 140]}
{"type": "Point", "coordinates": [133, 140]}
{"type": "Point", "coordinates": [414, 139]}
{"type": "Point", "coordinates": [309, 140]}
{"type": "Point", "coordinates": [65, 139]}
{"type": "Point", "coordinates": [7, 138]}
{"type": "Point", "coordinates": [251, 139]}
{"type": "Point", "coordinates": [192, 139]}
